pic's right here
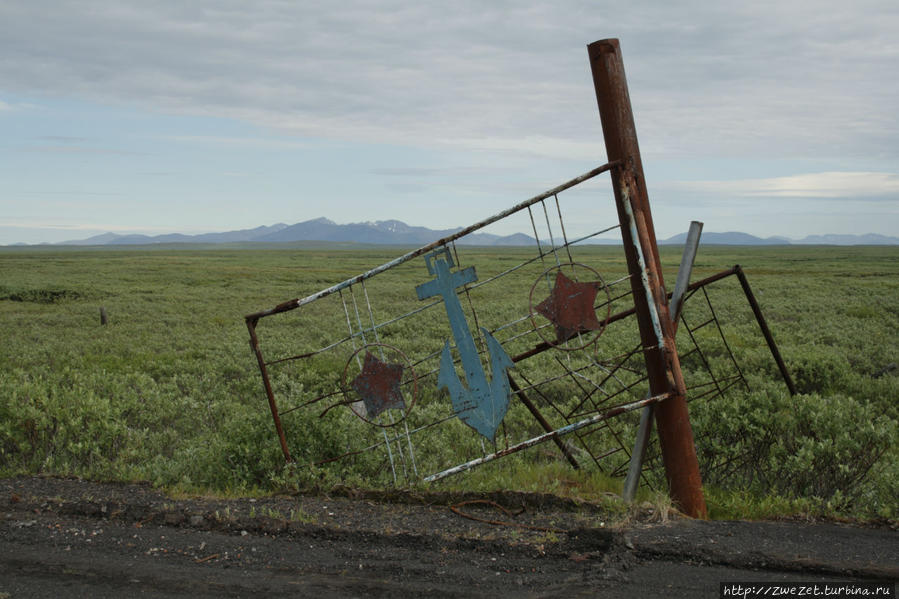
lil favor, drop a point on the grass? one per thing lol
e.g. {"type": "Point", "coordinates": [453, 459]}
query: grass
{"type": "Point", "coordinates": [169, 391]}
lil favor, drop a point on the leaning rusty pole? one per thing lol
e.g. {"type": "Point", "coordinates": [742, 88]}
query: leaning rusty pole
{"type": "Point", "coordinates": [644, 267]}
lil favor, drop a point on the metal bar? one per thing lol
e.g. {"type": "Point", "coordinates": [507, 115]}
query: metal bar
{"type": "Point", "coordinates": [702, 325]}
{"type": "Point", "coordinates": [296, 303]}
{"type": "Point", "coordinates": [538, 416]}
{"type": "Point", "coordinates": [254, 343]}
{"type": "Point", "coordinates": [766, 332]}
{"type": "Point", "coordinates": [389, 454]}
{"type": "Point", "coordinates": [730, 353]}
{"type": "Point", "coordinates": [584, 445]}
{"type": "Point", "coordinates": [629, 490]}
{"type": "Point", "coordinates": [703, 359]}
{"type": "Point", "coordinates": [481, 342]}
{"type": "Point", "coordinates": [549, 230]}
{"type": "Point", "coordinates": [349, 324]}
{"type": "Point", "coordinates": [358, 317]}
{"type": "Point", "coordinates": [677, 302]}
{"type": "Point", "coordinates": [371, 316]}
{"type": "Point", "coordinates": [656, 330]}
{"type": "Point", "coordinates": [684, 271]}
{"type": "Point", "coordinates": [564, 234]}
{"type": "Point", "coordinates": [546, 436]}
{"type": "Point", "coordinates": [644, 289]}
{"type": "Point", "coordinates": [409, 443]}
{"type": "Point", "coordinates": [536, 235]}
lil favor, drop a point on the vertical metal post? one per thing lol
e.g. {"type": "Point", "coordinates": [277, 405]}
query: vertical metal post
{"type": "Point", "coordinates": [650, 298]}
{"type": "Point", "coordinates": [646, 415]}
{"type": "Point", "coordinates": [254, 343]}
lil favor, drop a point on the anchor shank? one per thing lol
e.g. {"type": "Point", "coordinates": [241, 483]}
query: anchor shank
{"type": "Point", "coordinates": [445, 285]}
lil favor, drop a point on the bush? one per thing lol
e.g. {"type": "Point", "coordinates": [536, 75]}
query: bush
{"type": "Point", "coordinates": [808, 446]}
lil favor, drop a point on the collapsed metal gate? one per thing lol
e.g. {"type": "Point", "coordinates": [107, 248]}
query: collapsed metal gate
{"type": "Point", "coordinates": [530, 345]}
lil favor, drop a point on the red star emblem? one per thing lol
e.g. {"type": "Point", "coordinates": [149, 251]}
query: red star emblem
{"type": "Point", "coordinates": [570, 307]}
{"type": "Point", "coordinates": [379, 385]}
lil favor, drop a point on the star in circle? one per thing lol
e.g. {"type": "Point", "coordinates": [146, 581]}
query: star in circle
{"type": "Point", "coordinates": [570, 307]}
{"type": "Point", "coordinates": [379, 385]}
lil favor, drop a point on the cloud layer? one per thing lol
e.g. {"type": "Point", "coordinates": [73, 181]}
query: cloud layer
{"type": "Point", "coordinates": [787, 79]}
{"type": "Point", "coordinates": [829, 185]}
{"type": "Point", "coordinates": [442, 112]}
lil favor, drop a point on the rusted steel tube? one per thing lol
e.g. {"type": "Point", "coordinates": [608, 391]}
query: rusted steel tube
{"type": "Point", "coordinates": [296, 303]}
{"type": "Point", "coordinates": [711, 279]}
{"type": "Point", "coordinates": [538, 416]}
{"type": "Point", "coordinates": [547, 436]}
{"type": "Point", "coordinates": [650, 298]}
{"type": "Point", "coordinates": [766, 332]}
{"type": "Point", "coordinates": [254, 344]}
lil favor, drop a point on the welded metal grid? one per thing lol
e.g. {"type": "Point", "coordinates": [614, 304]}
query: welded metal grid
{"type": "Point", "coordinates": [317, 346]}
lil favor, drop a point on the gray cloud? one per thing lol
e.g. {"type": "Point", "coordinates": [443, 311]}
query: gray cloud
{"type": "Point", "coordinates": [450, 171]}
{"type": "Point", "coordinates": [72, 149]}
{"type": "Point", "coordinates": [780, 79]}
{"type": "Point", "coordinates": [870, 186]}
{"type": "Point", "coordinates": [66, 139]}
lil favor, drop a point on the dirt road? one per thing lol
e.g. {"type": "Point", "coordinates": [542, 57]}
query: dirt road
{"type": "Point", "coordinates": [71, 538]}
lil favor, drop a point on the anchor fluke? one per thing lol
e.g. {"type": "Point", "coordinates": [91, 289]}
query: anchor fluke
{"type": "Point", "coordinates": [482, 405]}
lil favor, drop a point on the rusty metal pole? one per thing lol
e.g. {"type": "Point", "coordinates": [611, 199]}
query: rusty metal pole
{"type": "Point", "coordinates": [676, 303]}
{"type": "Point", "coordinates": [538, 416]}
{"type": "Point", "coordinates": [766, 332]}
{"type": "Point", "coordinates": [273, 406]}
{"type": "Point", "coordinates": [650, 298]}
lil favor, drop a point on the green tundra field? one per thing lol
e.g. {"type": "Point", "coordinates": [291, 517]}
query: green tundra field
{"type": "Point", "coordinates": [168, 390]}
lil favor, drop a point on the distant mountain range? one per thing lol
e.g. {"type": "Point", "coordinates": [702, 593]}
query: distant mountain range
{"type": "Point", "coordinates": [737, 238]}
{"type": "Point", "coordinates": [382, 232]}
{"type": "Point", "coordinates": [394, 232]}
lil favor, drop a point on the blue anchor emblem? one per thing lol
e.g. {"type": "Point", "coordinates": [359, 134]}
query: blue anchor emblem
{"type": "Point", "coordinates": [483, 404]}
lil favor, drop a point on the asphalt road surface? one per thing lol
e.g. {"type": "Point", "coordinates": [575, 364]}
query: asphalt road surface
{"type": "Point", "coordinates": [72, 538]}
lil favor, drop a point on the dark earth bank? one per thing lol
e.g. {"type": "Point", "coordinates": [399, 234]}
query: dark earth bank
{"type": "Point", "coordinates": [64, 537]}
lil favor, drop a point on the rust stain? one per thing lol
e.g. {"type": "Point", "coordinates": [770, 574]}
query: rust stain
{"type": "Point", "coordinates": [570, 307]}
{"type": "Point", "coordinates": [379, 385]}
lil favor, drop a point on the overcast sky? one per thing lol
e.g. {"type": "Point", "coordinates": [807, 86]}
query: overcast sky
{"type": "Point", "coordinates": [773, 118]}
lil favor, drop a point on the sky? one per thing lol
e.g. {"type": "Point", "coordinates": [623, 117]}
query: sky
{"type": "Point", "coordinates": [142, 116]}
